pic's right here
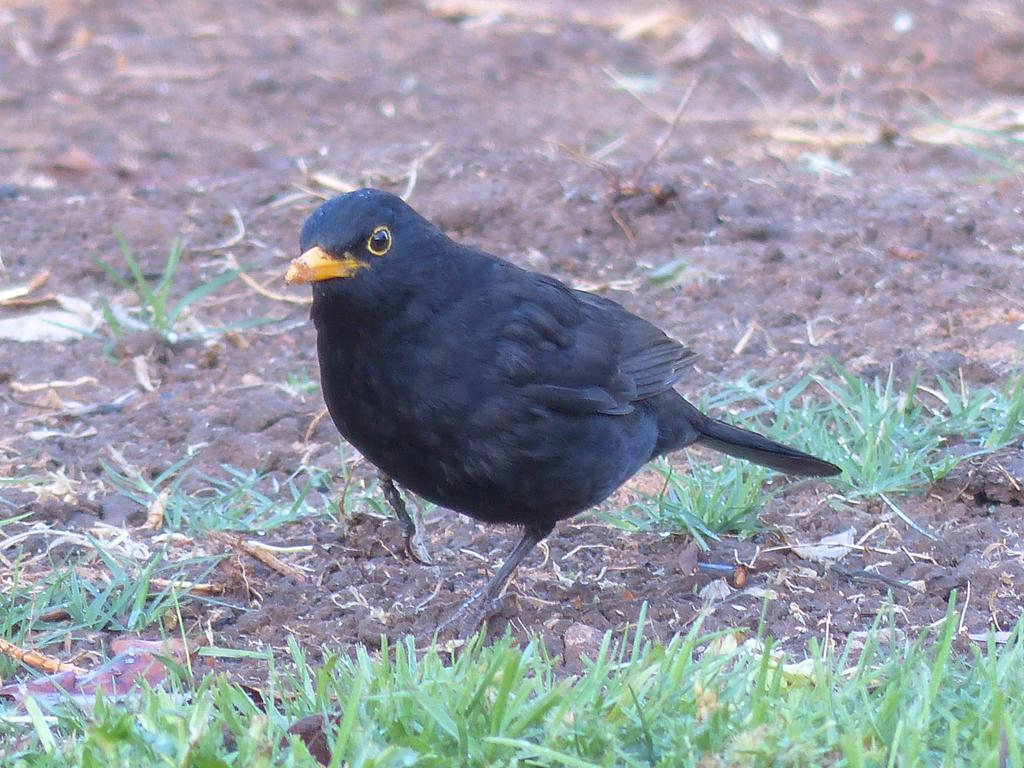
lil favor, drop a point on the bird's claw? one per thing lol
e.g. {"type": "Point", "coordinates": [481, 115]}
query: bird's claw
{"type": "Point", "coordinates": [472, 615]}
{"type": "Point", "coordinates": [414, 546]}
{"type": "Point", "coordinates": [411, 524]}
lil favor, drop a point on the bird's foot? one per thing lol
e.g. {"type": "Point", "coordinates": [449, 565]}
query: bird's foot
{"type": "Point", "coordinates": [414, 546]}
{"type": "Point", "coordinates": [411, 524]}
{"type": "Point", "coordinates": [486, 601]}
{"type": "Point", "coordinates": [472, 614]}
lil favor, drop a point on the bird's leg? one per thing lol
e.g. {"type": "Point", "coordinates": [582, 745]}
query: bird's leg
{"type": "Point", "coordinates": [411, 525]}
{"type": "Point", "coordinates": [473, 611]}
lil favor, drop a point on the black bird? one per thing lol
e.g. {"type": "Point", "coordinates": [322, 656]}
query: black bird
{"type": "Point", "coordinates": [497, 392]}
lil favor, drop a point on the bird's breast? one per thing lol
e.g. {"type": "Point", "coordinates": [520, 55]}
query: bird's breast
{"type": "Point", "coordinates": [433, 406]}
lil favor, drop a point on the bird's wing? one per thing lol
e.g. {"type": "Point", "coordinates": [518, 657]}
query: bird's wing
{"type": "Point", "coordinates": [650, 358]}
{"type": "Point", "coordinates": [575, 352]}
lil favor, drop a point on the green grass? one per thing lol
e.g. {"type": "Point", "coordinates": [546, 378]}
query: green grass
{"type": "Point", "coordinates": [999, 146]}
{"type": "Point", "coordinates": [97, 590]}
{"type": "Point", "coordinates": [101, 586]}
{"type": "Point", "coordinates": [705, 501]}
{"type": "Point", "coordinates": [699, 701]}
{"type": "Point", "coordinates": [350, 491]}
{"type": "Point", "coordinates": [249, 501]}
{"type": "Point", "coordinates": [298, 384]}
{"type": "Point", "coordinates": [888, 442]}
{"type": "Point", "coordinates": [155, 310]}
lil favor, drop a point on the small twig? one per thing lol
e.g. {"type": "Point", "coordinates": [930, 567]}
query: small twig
{"type": "Point", "coordinates": [876, 527]}
{"type": "Point", "coordinates": [590, 161]}
{"type": "Point", "coordinates": [745, 338]}
{"type": "Point", "coordinates": [472, 553]}
{"type": "Point", "coordinates": [287, 199]}
{"type": "Point", "coordinates": [599, 154]}
{"type": "Point", "coordinates": [262, 290]}
{"type": "Point", "coordinates": [310, 192]}
{"type": "Point", "coordinates": [581, 547]}
{"type": "Point", "coordinates": [914, 557]}
{"type": "Point", "coordinates": [869, 577]}
{"type": "Point", "coordinates": [16, 293]}
{"type": "Point", "coordinates": [429, 598]}
{"type": "Point", "coordinates": [312, 425]}
{"type": "Point", "coordinates": [622, 83]}
{"type": "Point", "coordinates": [114, 406]}
{"type": "Point", "coordinates": [414, 170]}
{"type": "Point", "coordinates": [963, 613]}
{"type": "Point", "coordinates": [903, 516]}
{"type": "Point", "coordinates": [195, 588]}
{"type": "Point", "coordinates": [660, 144]}
{"type": "Point", "coordinates": [17, 386]}
{"type": "Point", "coordinates": [332, 182]}
{"type": "Point", "coordinates": [227, 242]}
{"type": "Point", "coordinates": [626, 230]}
{"type": "Point", "coordinates": [257, 552]}
{"type": "Point", "coordinates": [37, 660]}
{"type": "Point", "coordinates": [543, 547]}
{"type": "Point", "coordinates": [348, 477]}
{"type": "Point", "coordinates": [251, 592]}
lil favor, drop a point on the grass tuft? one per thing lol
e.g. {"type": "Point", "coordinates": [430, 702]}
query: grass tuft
{"type": "Point", "coordinates": [155, 310]}
{"type": "Point", "coordinates": [888, 442]}
{"type": "Point", "coordinates": [700, 700]}
{"type": "Point", "coordinates": [248, 501]}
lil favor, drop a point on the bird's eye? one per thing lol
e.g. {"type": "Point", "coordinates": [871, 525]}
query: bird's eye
{"type": "Point", "coordinates": [379, 242]}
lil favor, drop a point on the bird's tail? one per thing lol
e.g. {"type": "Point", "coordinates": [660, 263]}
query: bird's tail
{"type": "Point", "coordinates": [744, 444]}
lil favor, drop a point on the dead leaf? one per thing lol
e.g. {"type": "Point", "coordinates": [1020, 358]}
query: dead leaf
{"type": "Point", "coordinates": [121, 677]}
{"type": "Point", "coordinates": [722, 645]}
{"type": "Point", "coordinates": [310, 731]}
{"type": "Point", "coordinates": [715, 591]}
{"type": "Point", "coordinates": [76, 433]}
{"type": "Point", "coordinates": [23, 388]}
{"type": "Point", "coordinates": [155, 515]}
{"type": "Point", "coordinates": [760, 593]}
{"type": "Point", "coordinates": [75, 319]}
{"type": "Point", "coordinates": [904, 253]}
{"type": "Point", "coordinates": [7, 295]}
{"type": "Point", "coordinates": [830, 548]}
{"type": "Point", "coordinates": [687, 561]}
{"type": "Point", "coordinates": [800, 670]}
{"type": "Point", "coordinates": [141, 367]}
{"type": "Point", "coordinates": [76, 160]}
{"type": "Point", "coordinates": [51, 399]}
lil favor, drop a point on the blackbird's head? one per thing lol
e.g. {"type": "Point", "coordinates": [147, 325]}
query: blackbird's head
{"type": "Point", "coordinates": [355, 232]}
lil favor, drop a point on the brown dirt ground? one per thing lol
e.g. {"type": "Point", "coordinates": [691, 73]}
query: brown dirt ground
{"type": "Point", "coordinates": [825, 209]}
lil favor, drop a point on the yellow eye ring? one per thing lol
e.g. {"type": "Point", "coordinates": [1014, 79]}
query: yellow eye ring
{"type": "Point", "coordinates": [379, 241]}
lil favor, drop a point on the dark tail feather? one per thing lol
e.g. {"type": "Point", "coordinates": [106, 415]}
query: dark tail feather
{"type": "Point", "coordinates": [751, 446]}
{"type": "Point", "coordinates": [744, 444]}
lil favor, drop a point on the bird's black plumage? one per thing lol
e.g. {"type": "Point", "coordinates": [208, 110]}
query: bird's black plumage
{"type": "Point", "coordinates": [497, 392]}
